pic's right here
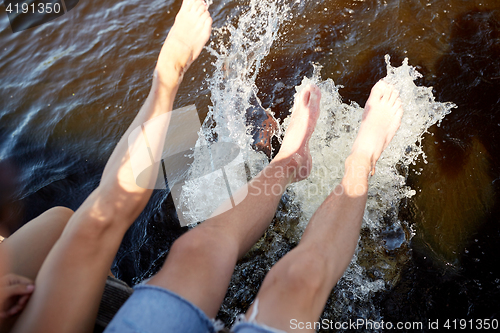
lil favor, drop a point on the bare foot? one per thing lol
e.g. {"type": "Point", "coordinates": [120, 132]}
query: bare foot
{"type": "Point", "coordinates": [188, 35]}
{"type": "Point", "coordinates": [381, 120]}
{"type": "Point", "coordinates": [295, 147]}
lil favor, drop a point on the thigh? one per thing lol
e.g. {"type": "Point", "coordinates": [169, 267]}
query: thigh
{"type": "Point", "coordinates": [29, 246]}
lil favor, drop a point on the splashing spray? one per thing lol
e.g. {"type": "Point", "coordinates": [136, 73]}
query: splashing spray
{"type": "Point", "coordinates": [233, 93]}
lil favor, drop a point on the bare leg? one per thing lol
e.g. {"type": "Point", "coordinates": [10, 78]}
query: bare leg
{"type": "Point", "coordinates": [201, 262]}
{"type": "Point", "coordinates": [72, 278]}
{"type": "Point", "coordinates": [29, 246]}
{"type": "Point", "coordinates": [298, 286]}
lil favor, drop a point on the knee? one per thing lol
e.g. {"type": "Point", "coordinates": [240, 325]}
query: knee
{"type": "Point", "coordinates": [206, 244]}
{"type": "Point", "coordinates": [61, 213]}
{"type": "Point", "coordinates": [189, 244]}
{"type": "Point", "coordinates": [57, 217]}
{"type": "Point", "coordinates": [305, 273]}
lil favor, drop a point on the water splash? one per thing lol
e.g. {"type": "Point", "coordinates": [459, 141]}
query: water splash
{"type": "Point", "coordinates": [237, 115]}
{"type": "Point", "coordinates": [233, 89]}
{"type": "Point", "coordinates": [336, 131]}
{"type": "Point", "coordinates": [370, 270]}
{"type": "Point", "coordinates": [233, 92]}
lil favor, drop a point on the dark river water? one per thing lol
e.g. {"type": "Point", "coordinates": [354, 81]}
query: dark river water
{"type": "Point", "coordinates": [70, 88]}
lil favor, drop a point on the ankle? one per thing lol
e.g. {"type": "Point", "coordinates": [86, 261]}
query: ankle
{"type": "Point", "coordinates": [295, 167]}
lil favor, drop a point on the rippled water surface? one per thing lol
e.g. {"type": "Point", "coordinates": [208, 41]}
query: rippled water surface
{"type": "Point", "coordinates": [70, 88]}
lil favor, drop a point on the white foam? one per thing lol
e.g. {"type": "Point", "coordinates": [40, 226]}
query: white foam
{"type": "Point", "coordinates": [239, 57]}
{"type": "Point", "coordinates": [331, 144]}
{"type": "Point", "coordinates": [335, 133]}
{"type": "Point", "coordinates": [233, 91]}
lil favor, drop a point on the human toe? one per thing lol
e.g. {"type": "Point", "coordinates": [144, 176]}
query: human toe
{"type": "Point", "coordinates": [379, 89]}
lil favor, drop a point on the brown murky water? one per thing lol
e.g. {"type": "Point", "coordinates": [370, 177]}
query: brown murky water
{"type": "Point", "coordinates": [69, 89]}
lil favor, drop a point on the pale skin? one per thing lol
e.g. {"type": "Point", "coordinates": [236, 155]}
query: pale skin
{"type": "Point", "coordinates": [298, 286]}
{"type": "Point", "coordinates": [77, 265]}
{"type": "Point", "coordinates": [41, 234]}
{"type": "Point", "coordinates": [71, 279]}
{"type": "Point", "coordinates": [215, 246]}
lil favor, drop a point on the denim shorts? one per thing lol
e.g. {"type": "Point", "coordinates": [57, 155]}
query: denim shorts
{"type": "Point", "coordinates": [243, 325]}
{"type": "Point", "coordinates": [152, 309]}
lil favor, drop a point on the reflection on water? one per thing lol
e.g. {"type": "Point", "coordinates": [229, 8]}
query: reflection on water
{"type": "Point", "coordinates": [454, 197]}
{"type": "Point", "coordinates": [455, 267]}
{"type": "Point", "coordinates": [69, 89]}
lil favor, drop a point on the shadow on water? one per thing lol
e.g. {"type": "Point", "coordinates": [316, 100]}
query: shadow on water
{"type": "Point", "coordinates": [455, 272]}
{"type": "Point", "coordinates": [145, 245]}
{"type": "Point", "coordinates": [68, 181]}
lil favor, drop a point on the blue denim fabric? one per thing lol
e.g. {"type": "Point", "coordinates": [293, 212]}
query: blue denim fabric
{"type": "Point", "coordinates": [243, 325]}
{"type": "Point", "coordinates": [252, 328]}
{"type": "Point", "coordinates": [152, 309]}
